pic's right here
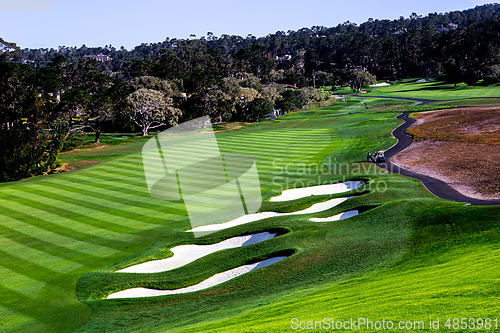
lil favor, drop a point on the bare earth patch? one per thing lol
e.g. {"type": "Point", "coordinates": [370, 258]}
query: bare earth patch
{"type": "Point", "coordinates": [77, 165]}
{"type": "Point", "coordinates": [79, 150]}
{"type": "Point", "coordinates": [460, 147]}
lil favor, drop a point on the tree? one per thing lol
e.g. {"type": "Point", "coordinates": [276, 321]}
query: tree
{"type": "Point", "coordinates": [360, 79]}
{"type": "Point", "coordinates": [307, 95]}
{"type": "Point", "coordinates": [8, 50]}
{"type": "Point", "coordinates": [151, 82]}
{"type": "Point", "coordinates": [288, 101]}
{"type": "Point", "coordinates": [492, 73]}
{"type": "Point", "coordinates": [107, 99]}
{"type": "Point", "coordinates": [470, 77]}
{"type": "Point", "coordinates": [150, 109]}
{"type": "Point", "coordinates": [242, 104]}
{"type": "Point", "coordinates": [24, 151]}
{"type": "Point", "coordinates": [24, 112]}
{"type": "Point", "coordinates": [454, 74]}
{"type": "Point", "coordinates": [271, 92]}
{"type": "Point", "coordinates": [251, 81]}
{"type": "Point", "coordinates": [259, 107]}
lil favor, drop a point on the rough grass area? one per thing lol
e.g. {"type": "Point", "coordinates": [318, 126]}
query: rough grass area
{"type": "Point", "coordinates": [470, 125]}
{"type": "Point", "coordinates": [459, 146]}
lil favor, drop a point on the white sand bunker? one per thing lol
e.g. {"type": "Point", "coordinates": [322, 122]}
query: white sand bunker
{"type": "Point", "coordinates": [316, 208]}
{"type": "Point", "coordinates": [338, 217]}
{"type": "Point", "coordinates": [298, 193]}
{"type": "Point", "coordinates": [185, 254]}
{"type": "Point", "coordinates": [383, 84]}
{"type": "Point", "coordinates": [210, 282]}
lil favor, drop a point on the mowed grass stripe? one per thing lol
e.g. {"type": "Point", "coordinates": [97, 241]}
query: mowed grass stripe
{"type": "Point", "coordinates": [306, 136]}
{"type": "Point", "coordinates": [271, 145]}
{"type": "Point", "coordinates": [19, 283]}
{"type": "Point", "coordinates": [106, 195]}
{"type": "Point", "coordinates": [14, 319]}
{"type": "Point", "coordinates": [46, 241]}
{"type": "Point", "coordinates": [102, 178]}
{"type": "Point", "coordinates": [74, 207]}
{"type": "Point", "coordinates": [134, 179]}
{"type": "Point", "coordinates": [64, 227]}
{"type": "Point", "coordinates": [40, 271]}
{"type": "Point", "coordinates": [86, 232]}
{"type": "Point", "coordinates": [27, 253]}
{"type": "Point", "coordinates": [92, 198]}
{"type": "Point", "coordinates": [119, 189]}
{"type": "Point", "coordinates": [278, 152]}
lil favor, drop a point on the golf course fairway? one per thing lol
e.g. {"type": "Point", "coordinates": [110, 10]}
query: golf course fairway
{"type": "Point", "coordinates": [406, 256]}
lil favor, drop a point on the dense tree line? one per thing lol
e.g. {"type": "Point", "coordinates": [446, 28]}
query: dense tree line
{"type": "Point", "coordinates": [48, 95]}
{"type": "Point", "coordinates": [406, 46]}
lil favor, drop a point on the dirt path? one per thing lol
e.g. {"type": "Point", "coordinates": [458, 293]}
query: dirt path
{"type": "Point", "coordinates": [437, 187]}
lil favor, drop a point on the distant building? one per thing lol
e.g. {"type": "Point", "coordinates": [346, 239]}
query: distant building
{"type": "Point", "coordinates": [361, 69]}
{"type": "Point", "coordinates": [99, 57]}
{"type": "Point", "coordinates": [451, 26]}
{"type": "Point", "coordinates": [285, 57]}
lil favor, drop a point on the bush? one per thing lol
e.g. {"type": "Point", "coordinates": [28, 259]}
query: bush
{"type": "Point", "coordinates": [288, 101]}
{"type": "Point", "coordinates": [259, 107]}
{"type": "Point", "coordinates": [23, 152]}
{"type": "Point", "coordinates": [74, 140]}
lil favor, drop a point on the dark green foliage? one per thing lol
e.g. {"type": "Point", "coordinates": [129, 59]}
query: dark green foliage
{"type": "Point", "coordinates": [470, 77]}
{"type": "Point", "coordinates": [289, 101]}
{"type": "Point", "coordinates": [23, 152]}
{"type": "Point", "coordinates": [74, 140]}
{"type": "Point", "coordinates": [259, 107]}
{"type": "Point", "coordinates": [454, 74]}
{"type": "Point", "coordinates": [347, 54]}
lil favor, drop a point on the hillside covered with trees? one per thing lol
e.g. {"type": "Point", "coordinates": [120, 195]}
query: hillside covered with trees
{"type": "Point", "coordinates": [48, 95]}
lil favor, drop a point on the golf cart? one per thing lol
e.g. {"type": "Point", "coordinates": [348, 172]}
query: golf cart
{"type": "Point", "coordinates": [378, 157]}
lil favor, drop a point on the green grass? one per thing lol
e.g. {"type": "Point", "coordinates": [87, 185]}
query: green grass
{"type": "Point", "coordinates": [449, 271]}
{"type": "Point", "coordinates": [435, 90]}
{"type": "Point", "coordinates": [407, 256]}
{"type": "Point", "coordinates": [469, 101]}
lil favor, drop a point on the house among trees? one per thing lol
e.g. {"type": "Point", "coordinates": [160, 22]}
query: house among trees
{"type": "Point", "coordinates": [100, 57]}
{"type": "Point", "coordinates": [451, 26]}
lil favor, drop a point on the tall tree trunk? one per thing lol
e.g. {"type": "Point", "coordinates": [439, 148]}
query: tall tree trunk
{"type": "Point", "coordinates": [98, 131]}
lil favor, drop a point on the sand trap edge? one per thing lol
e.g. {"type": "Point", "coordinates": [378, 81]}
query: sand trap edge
{"type": "Point", "coordinates": [188, 253]}
{"type": "Point", "coordinates": [338, 217]}
{"type": "Point", "coordinates": [325, 189]}
{"type": "Point", "coordinates": [210, 282]}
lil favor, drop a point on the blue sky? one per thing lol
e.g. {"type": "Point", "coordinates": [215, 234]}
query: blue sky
{"type": "Point", "coordinates": [129, 23]}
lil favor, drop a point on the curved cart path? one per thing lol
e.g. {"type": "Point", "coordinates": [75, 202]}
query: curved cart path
{"type": "Point", "coordinates": [437, 187]}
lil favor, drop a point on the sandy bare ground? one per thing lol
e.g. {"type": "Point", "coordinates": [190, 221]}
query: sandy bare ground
{"type": "Point", "coordinates": [460, 147]}
{"type": "Point", "coordinates": [210, 282]}
{"type": "Point", "coordinates": [287, 195]}
{"type": "Point", "coordinates": [297, 193]}
{"type": "Point", "coordinates": [185, 254]}
{"type": "Point", "coordinates": [79, 150]}
{"type": "Point", "coordinates": [316, 208]}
